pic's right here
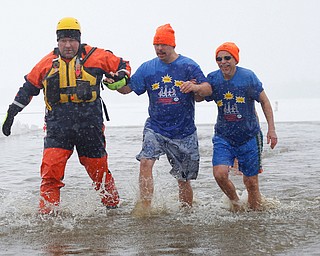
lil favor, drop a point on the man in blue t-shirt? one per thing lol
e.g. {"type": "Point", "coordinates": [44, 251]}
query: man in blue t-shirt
{"type": "Point", "coordinates": [237, 130]}
{"type": "Point", "coordinates": [173, 83]}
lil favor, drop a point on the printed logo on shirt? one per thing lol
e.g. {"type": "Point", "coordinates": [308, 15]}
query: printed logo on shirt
{"type": "Point", "coordinates": [167, 90]}
{"type": "Point", "coordinates": [167, 95]}
{"type": "Point", "coordinates": [230, 108]}
{"type": "Point", "coordinates": [167, 79]}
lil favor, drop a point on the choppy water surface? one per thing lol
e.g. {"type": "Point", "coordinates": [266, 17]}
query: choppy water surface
{"type": "Point", "coordinates": [289, 225]}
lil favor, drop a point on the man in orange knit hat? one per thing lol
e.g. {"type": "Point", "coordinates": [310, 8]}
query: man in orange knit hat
{"type": "Point", "coordinates": [237, 130]}
{"type": "Point", "coordinates": [172, 82]}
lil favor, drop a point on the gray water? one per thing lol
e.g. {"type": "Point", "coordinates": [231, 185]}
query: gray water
{"type": "Point", "coordinates": [289, 225]}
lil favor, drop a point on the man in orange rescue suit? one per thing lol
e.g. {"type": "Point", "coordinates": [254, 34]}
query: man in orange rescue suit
{"type": "Point", "coordinates": [70, 77]}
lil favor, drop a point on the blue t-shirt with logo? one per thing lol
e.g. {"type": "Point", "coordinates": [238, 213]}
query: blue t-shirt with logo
{"type": "Point", "coordinates": [171, 112]}
{"type": "Point", "coordinates": [237, 121]}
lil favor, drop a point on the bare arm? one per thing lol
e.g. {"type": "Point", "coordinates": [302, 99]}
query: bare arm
{"type": "Point", "coordinates": [268, 113]}
{"type": "Point", "coordinates": [200, 90]}
{"type": "Point", "coordinates": [125, 89]}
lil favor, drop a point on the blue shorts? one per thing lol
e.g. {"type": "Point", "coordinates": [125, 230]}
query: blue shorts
{"type": "Point", "coordinates": [248, 154]}
{"type": "Point", "coordinates": [183, 154]}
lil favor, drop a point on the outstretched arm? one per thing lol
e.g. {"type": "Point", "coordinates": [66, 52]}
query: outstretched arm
{"type": "Point", "coordinates": [21, 100]}
{"type": "Point", "coordinates": [200, 90]}
{"type": "Point", "coordinates": [121, 85]}
{"type": "Point", "coordinates": [268, 113]}
{"type": "Point", "coordinates": [125, 89]}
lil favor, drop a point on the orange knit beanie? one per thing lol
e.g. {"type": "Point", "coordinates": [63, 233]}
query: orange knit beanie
{"type": "Point", "coordinates": [164, 35]}
{"type": "Point", "coordinates": [230, 48]}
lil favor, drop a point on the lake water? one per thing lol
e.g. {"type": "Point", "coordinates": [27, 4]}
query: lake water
{"type": "Point", "coordinates": [289, 225]}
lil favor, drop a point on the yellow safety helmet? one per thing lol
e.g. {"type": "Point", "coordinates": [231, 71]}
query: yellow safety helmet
{"type": "Point", "coordinates": [69, 23]}
{"type": "Point", "coordinates": [68, 27]}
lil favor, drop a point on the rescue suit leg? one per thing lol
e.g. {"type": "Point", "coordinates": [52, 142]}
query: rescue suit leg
{"type": "Point", "coordinates": [52, 172]}
{"type": "Point", "coordinates": [98, 171]}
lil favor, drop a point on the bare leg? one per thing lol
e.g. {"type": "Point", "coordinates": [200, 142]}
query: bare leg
{"type": "Point", "coordinates": [254, 196]}
{"type": "Point", "coordinates": [146, 182]}
{"type": "Point", "coordinates": [221, 175]}
{"type": "Point", "coordinates": [185, 193]}
{"type": "Point", "coordinates": [235, 168]}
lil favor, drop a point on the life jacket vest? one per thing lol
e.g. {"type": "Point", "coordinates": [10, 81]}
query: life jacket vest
{"type": "Point", "coordinates": [70, 82]}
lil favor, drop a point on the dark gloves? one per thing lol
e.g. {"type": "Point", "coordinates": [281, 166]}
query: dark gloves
{"type": "Point", "coordinates": [120, 80]}
{"type": "Point", "coordinates": [8, 121]}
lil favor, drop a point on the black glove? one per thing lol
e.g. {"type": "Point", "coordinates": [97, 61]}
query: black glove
{"type": "Point", "coordinates": [120, 75]}
{"type": "Point", "coordinates": [8, 121]}
{"type": "Point", "coordinates": [120, 80]}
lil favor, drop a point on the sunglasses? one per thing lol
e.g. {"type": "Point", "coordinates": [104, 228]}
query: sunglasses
{"type": "Point", "coordinates": [224, 57]}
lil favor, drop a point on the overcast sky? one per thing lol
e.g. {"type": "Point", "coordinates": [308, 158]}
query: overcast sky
{"type": "Point", "coordinates": [278, 39]}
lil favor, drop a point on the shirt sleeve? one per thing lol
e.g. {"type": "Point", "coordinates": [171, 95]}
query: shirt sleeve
{"type": "Point", "coordinates": [256, 87]}
{"type": "Point", "coordinates": [210, 81]}
{"type": "Point", "coordinates": [137, 83]}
